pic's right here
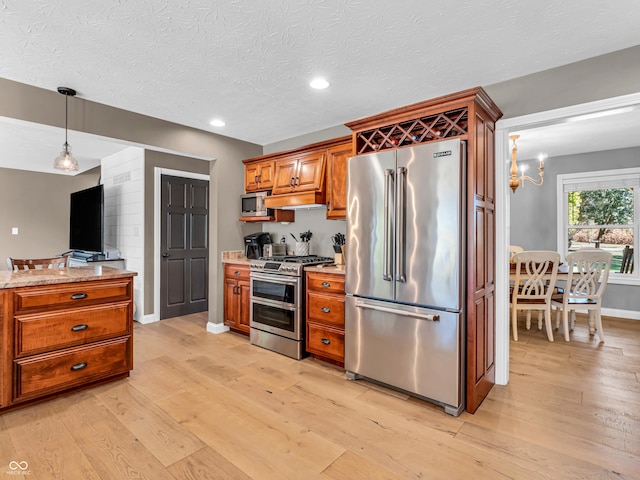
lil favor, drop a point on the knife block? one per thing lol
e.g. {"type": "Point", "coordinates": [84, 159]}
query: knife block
{"type": "Point", "coordinates": [338, 258]}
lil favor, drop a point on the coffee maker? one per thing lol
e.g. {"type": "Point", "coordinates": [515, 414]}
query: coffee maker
{"type": "Point", "coordinates": [253, 244]}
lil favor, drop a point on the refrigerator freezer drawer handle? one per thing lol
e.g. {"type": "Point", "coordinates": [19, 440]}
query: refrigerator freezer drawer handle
{"type": "Point", "coordinates": [433, 318]}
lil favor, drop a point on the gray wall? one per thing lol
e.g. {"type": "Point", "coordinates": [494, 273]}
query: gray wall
{"type": "Point", "coordinates": [534, 211]}
{"type": "Point", "coordinates": [38, 204]}
{"type": "Point", "coordinates": [314, 220]}
{"type": "Point", "coordinates": [606, 76]}
{"type": "Point", "coordinates": [596, 78]}
{"type": "Point", "coordinates": [151, 161]}
{"type": "Point", "coordinates": [32, 104]}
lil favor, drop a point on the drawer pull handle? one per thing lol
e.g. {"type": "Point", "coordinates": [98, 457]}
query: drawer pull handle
{"type": "Point", "coordinates": [325, 284]}
{"type": "Point", "coordinates": [79, 366]}
{"type": "Point", "coordinates": [236, 272]}
{"type": "Point", "coordinates": [79, 327]}
{"type": "Point", "coordinates": [78, 296]}
{"type": "Point", "coordinates": [325, 310]}
{"type": "Point", "coordinates": [326, 341]}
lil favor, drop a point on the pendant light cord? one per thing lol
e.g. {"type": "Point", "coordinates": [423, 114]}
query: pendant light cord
{"type": "Point", "coordinates": [66, 121]}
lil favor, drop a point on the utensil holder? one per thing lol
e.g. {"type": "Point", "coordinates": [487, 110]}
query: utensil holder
{"type": "Point", "coordinates": [302, 248]}
{"type": "Point", "coordinates": [338, 258]}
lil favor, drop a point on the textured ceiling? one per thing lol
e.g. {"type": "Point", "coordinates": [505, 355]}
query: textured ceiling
{"type": "Point", "coordinates": [249, 62]}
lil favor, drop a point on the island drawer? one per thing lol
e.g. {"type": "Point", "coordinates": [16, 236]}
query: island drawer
{"type": "Point", "coordinates": [325, 283]}
{"type": "Point", "coordinates": [48, 373]}
{"type": "Point", "coordinates": [38, 333]}
{"type": "Point", "coordinates": [324, 341]}
{"type": "Point", "coordinates": [328, 309]}
{"type": "Point", "coordinates": [77, 294]}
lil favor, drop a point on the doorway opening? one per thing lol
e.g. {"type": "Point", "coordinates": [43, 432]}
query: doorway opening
{"type": "Point", "coordinates": [503, 205]}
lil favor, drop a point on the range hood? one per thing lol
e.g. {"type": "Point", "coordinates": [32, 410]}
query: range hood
{"type": "Point", "coordinates": [293, 201]}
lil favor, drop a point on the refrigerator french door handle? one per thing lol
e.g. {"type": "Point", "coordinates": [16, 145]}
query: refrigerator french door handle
{"type": "Point", "coordinates": [404, 313]}
{"type": "Point", "coordinates": [400, 211]}
{"type": "Point", "coordinates": [386, 261]}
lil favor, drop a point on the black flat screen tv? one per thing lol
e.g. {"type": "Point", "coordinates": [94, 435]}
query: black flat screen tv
{"type": "Point", "coordinates": [86, 223]}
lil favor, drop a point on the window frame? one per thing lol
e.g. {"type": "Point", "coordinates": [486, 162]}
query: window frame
{"type": "Point", "coordinates": [599, 180]}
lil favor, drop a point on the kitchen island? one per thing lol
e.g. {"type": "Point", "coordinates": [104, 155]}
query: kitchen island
{"type": "Point", "coordinates": [63, 330]}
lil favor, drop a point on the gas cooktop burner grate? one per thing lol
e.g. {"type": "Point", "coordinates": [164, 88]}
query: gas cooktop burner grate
{"type": "Point", "coordinates": [298, 259]}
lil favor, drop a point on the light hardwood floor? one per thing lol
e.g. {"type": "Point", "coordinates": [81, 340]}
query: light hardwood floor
{"type": "Point", "coordinates": [203, 406]}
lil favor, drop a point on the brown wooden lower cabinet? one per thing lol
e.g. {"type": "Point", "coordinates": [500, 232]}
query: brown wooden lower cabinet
{"type": "Point", "coordinates": [325, 316]}
{"type": "Point", "coordinates": [237, 292]}
{"type": "Point", "coordinates": [64, 337]}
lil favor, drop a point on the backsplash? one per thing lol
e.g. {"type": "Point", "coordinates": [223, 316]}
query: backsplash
{"type": "Point", "coordinates": [313, 219]}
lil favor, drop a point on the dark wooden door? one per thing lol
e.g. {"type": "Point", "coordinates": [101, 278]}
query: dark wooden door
{"type": "Point", "coordinates": [184, 246]}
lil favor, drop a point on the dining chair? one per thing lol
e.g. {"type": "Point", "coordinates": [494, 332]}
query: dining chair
{"type": "Point", "coordinates": [587, 276]}
{"type": "Point", "coordinates": [37, 263]}
{"type": "Point", "coordinates": [626, 266]}
{"type": "Point", "coordinates": [534, 281]}
{"type": "Point", "coordinates": [513, 249]}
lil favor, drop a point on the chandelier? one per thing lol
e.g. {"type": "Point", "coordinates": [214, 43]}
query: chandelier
{"type": "Point", "coordinates": [515, 181]}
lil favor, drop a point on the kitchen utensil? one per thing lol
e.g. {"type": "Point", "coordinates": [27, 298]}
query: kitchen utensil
{"type": "Point", "coordinates": [294, 237]}
{"type": "Point", "coordinates": [338, 239]}
{"type": "Point", "coordinates": [306, 236]}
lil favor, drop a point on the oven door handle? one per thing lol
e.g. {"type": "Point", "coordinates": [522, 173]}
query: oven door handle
{"type": "Point", "coordinates": [272, 303]}
{"type": "Point", "coordinates": [275, 278]}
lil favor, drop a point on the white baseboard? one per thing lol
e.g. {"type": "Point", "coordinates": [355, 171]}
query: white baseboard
{"type": "Point", "coordinates": [614, 312]}
{"type": "Point", "coordinates": [217, 328]}
{"type": "Point", "coordinates": [150, 318]}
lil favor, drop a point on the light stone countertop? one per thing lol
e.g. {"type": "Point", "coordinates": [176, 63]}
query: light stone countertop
{"type": "Point", "coordinates": [234, 256]}
{"type": "Point", "coordinates": [337, 269]}
{"type": "Point", "coordinates": [30, 278]}
{"type": "Point", "coordinates": [237, 261]}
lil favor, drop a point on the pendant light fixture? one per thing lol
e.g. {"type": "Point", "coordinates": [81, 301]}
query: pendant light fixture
{"type": "Point", "coordinates": [65, 161]}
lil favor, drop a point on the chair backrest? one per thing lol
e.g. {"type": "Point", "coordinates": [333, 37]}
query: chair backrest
{"type": "Point", "coordinates": [626, 266]}
{"type": "Point", "coordinates": [37, 263]}
{"type": "Point", "coordinates": [513, 249]}
{"type": "Point", "coordinates": [536, 274]}
{"type": "Point", "coordinates": [588, 273]}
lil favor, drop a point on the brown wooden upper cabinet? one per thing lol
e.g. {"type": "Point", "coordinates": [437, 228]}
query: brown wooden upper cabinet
{"type": "Point", "coordinates": [299, 173]}
{"type": "Point", "coordinates": [337, 180]}
{"type": "Point", "coordinates": [315, 173]}
{"type": "Point", "coordinates": [258, 176]}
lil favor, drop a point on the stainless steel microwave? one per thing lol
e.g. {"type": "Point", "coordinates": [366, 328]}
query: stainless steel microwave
{"type": "Point", "coordinates": [253, 204]}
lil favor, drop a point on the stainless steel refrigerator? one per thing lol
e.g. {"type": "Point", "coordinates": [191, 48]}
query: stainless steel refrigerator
{"type": "Point", "coordinates": [404, 318]}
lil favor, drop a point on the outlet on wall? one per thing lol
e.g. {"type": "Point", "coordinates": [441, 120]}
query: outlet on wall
{"type": "Point", "coordinates": [14, 231]}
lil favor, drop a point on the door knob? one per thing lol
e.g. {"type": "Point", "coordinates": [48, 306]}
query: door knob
{"type": "Point", "coordinates": [165, 254]}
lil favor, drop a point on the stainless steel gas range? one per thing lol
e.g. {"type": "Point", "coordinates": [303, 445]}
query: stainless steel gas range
{"type": "Point", "coordinates": [277, 303]}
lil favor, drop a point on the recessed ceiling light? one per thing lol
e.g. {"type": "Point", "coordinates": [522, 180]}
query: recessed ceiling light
{"type": "Point", "coordinates": [216, 122]}
{"type": "Point", "coordinates": [319, 83]}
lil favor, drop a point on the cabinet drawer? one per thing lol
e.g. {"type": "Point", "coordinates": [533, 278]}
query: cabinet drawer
{"type": "Point", "coordinates": [38, 333]}
{"type": "Point", "coordinates": [322, 282]}
{"type": "Point", "coordinates": [77, 294]}
{"type": "Point", "coordinates": [327, 309]}
{"type": "Point", "coordinates": [239, 272]}
{"type": "Point", "coordinates": [52, 372]}
{"type": "Point", "coordinates": [325, 342]}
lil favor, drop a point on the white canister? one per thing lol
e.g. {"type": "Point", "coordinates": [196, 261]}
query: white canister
{"type": "Point", "coordinates": [302, 248]}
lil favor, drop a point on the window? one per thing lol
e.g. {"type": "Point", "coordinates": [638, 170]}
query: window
{"type": "Point", "coordinates": [601, 210]}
